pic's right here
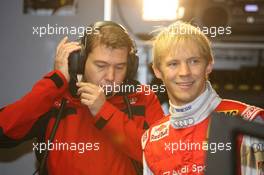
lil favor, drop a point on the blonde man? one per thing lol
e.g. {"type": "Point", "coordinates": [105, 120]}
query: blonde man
{"type": "Point", "coordinates": [177, 144]}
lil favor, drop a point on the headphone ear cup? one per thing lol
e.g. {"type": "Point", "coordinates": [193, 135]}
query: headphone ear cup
{"type": "Point", "coordinates": [81, 61]}
{"type": "Point", "coordinates": [132, 66]}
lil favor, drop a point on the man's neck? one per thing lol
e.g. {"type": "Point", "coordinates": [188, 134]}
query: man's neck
{"type": "Point", "coordinates": [195, 111]}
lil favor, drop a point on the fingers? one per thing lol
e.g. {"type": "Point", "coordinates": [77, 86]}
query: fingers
{"type": "Point", "coordinates": [83, 84]}
{"type": "Point", "coordinates": [63, 41]}
{"type": "Point", "coordinates": [92, 96]}
{"type": "Point", "coordinates": [64, 44]}
{"type": "Point", "coordinates": [64, 49]}
{"type": "Point", "coordinates": [88, 88]}
{"type": "Point", "coordinates": [87, 96]}
{"type": "Point", "coordinates": [68, 48]}
{"type": "Point", "coordinates": [86, 102]}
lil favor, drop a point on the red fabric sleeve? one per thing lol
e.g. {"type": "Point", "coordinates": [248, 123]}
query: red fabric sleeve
{"type": "Point", "coordinates": [126, 133]}
{"type": "Point", "coordinates": [17, 119]}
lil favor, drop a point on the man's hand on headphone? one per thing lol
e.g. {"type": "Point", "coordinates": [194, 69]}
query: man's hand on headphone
{"type": "Point", "coordinates": [63, 51]}
{"type": "Point", "coordinates": [92, 96]}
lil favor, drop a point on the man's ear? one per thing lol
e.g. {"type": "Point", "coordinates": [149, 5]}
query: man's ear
{"type": "Point", "coordinates": [157, 72]}
{"type": "Point", "coordinates": [209, 68]}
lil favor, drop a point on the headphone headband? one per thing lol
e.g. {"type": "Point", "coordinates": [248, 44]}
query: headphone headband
{"type": "Point", "coordinates": [101, 24]}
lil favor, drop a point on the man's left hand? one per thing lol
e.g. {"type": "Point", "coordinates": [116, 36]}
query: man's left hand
{"type": "Point", "coordinates": [92, 96]}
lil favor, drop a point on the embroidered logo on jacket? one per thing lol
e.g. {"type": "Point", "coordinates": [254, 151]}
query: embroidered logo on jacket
{"type": "Point", "coordinates": [144, 139]}
{"type": "Point", "coordinates": [250, 112]}
{"type": "Point", "coordinates": [133, 100]}
{"type": "Point", "coordinates": [160, 131]}
{"type": "Point", "coordinates": [184, 122]}
{"type": "Point", "coordinates": [183, 109]}
{"type": "Point", "coordinates": [230, 112]}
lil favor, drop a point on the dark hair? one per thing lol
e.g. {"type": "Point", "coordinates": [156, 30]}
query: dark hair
{"type": "Point", "coordinates": [111, 36]}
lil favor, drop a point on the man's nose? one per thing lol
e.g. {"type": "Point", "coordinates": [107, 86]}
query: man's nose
{"type": "Point", "coordinates": [184, 69]}
{"type": "Point", "coordinates": [110, 74]}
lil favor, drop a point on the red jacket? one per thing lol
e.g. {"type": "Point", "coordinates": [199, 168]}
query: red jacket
{"type": "Point", "coordinates": [104, 144]}
{"type": "Point", "coordinates": [161, 143]}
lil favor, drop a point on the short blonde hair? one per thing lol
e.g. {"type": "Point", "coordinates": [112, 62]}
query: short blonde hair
{"type": "Point", "coordinates": [178, 32]}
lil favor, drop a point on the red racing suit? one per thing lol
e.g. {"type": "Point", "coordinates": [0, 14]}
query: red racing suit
{"type": "Point", "coordinates": [167, 150]}
{"type": "Point", "coordinates": [83, 144]}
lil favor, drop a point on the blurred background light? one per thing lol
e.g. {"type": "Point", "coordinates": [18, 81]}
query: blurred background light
{"type": "Point", "coordinates": [160, 10]}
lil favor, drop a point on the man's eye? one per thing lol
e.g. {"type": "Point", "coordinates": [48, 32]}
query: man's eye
{"type": "Point", "coordinates": [172, 64]}
{"type": "Point", "coordinates": [100, 66]}
{"type": "Point", "coordinates": [194, 61]}
{"type": "Point", "coordinates": [120, 67]}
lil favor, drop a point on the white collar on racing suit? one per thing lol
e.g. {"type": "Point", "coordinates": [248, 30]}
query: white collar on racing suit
{"type": "Point", "coordinates": [195, 111]}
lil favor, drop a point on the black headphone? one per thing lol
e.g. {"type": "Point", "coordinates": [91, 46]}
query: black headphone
{"type": "Point", "coordinates": [78, 58]}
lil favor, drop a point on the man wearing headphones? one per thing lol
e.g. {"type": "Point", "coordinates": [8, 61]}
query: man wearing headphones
{"type": "Point", "coordinates": [97, 133]}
